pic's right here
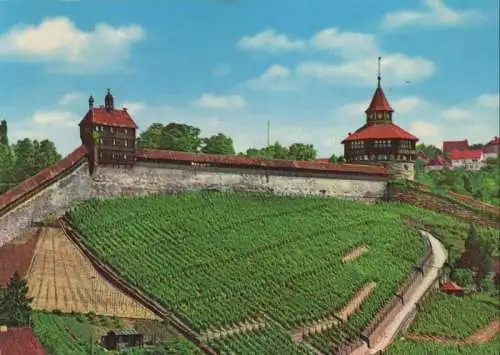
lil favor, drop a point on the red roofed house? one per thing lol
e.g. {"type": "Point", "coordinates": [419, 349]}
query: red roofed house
{"type": "Point", "coordinates": [19, 341]}
{"type": "Point", "coordinates": [381, 141]}
{"type": "Point", "coordinates": [437, 163]}
{"type": "Point", "coordinates": [110, 132]}
{"type": "Point", "coordinates": [492, 148]}
{"type": "Point", "coordinates": [468, 159]}
{"type": "Point", "coordinates": [448, 146]}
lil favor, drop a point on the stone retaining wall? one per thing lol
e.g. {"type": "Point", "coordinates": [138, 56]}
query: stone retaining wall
{"type": "Point", "coordinates": [375, 329]}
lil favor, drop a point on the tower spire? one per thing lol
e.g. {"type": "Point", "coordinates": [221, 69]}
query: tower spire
{"type": "Point", "coordinates": [378, 76]}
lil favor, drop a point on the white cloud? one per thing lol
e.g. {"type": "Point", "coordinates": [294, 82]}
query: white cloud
{"type": "Point", "coordinates": [456, 114]}
{"type": "Point", "coordinates": [275, 78]}
{"type": "Point", "coordinates": [71, 98]}
{"type": "Point", "coordinates": [271, 41]}
{"type": "Point", "coordinates": [427, 132]}
{"type": "Point", "coordinates": [222, 69]}
{"type": "Point", "coordinates": [489, 100]}
{"type": "Point", "coordinates": [59, 43]}
{"type": "Point", "coordinates": [435, 14]}
{"type": "Point", "coordinates": [55, 118]}
{"type": "Point", "coordinates": [347, 44]}
{"type": "Point", "coordinates": [408, 104]}
{"type": "Point", "coordinates": [210, 100]}
{"type": "Point", "coordinates": [397, 68]}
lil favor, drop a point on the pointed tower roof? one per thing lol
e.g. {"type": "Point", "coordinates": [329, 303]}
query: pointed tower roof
{"type": "Point", "coordinates": [379, 102]}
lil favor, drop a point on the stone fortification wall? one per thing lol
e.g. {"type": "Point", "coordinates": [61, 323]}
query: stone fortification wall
{"type": "Point", "coordinates": [54, 199]}
{"type": "Point", "coordinates": [54, 190]}
{"type": "Point", "coordinates": [153, 178]}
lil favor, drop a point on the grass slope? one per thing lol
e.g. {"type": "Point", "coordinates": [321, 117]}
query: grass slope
{"type": "Point", "coordinates": [456, 316]}
{"type": "Point", "coordinates": [77, 334]}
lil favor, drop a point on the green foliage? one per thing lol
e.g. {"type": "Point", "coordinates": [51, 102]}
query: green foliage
{"type": "Point", "coordinates": [263, 341]}
{"type": "Point", "coordinates": [464, 277]}
{"type": "Point", "coordinates": [336, 159]}
{"type": "Point", "coordinates": [406, 347]}
{"type": "Point", "coordinates": [486, 283]}
{"type": "Point", "coordinates": [15, 305]}
{"type": "Point", "coordinates": [296, 151]}
{"type": "Point", "coordinates": [456, 316]}
{"type": "Point", "coordinates": [482, 185]}
{"type": "Point", "coordinates": [429, 150]}
{"type": "Point", "coordinates": [173, 136]}
{"type": "Point", "coordinates": [23, 159]}
{"type": "Point", "coordinates": [4, 138]}
{"type": "Point", "coordinates": [63, 334]}
{"type": "Point", "coordinates": [218, 259]}
{"type": "Point", "coordinates": [218, 144]}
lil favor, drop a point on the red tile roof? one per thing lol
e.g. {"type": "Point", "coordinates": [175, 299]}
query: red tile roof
{"type": "Point", "coordinates": [105, 117]}
{"type": "Point", "coordinates": [379, 102]}
{"type": "Point", "coordinates": [465, 154]}
{"type": "Point", "coordinates": [451, 286]}
{"type": "Point", "coordinates": [42, 177]}
{"type": "Point", "coordinates": [448, 146]}
{"type": "Point", "coordinates": [380, 131]}
{"type": "Point", "coordinates": [322, 160]}
{"type": "Point", "coordinates": [20, 341]}
{"type": "Point", "coordinates": [152, 154]}
{"type": "Point", "coordinates": [438, 161]}
{"type": "Point", "coordinates": [494, 141]}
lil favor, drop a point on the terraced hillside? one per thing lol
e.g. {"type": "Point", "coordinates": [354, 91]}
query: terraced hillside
{"type": "Point", "coordinates": [223, 261]}
{"type": "Point", "coordinates": [61, 278]}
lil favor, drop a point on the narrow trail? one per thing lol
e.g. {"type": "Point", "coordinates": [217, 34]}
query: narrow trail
{"type": "Point", "coordinates": [481, 336]}
{"type": "Point", "coordinates": [440, 255]}
{"type": "Point", "coordinates": [248, 326]}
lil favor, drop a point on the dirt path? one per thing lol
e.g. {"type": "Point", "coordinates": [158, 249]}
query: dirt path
{"type": "Point", "coordinates": [248, 326]}
{"type": "Point", "coordinates": [440, 255]}
{"type": "Point", "coordinates": [481, 336]}
{"type": "Point", "coordinates": [354, 254]}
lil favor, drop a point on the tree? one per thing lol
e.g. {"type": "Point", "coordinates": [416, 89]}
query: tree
{"type": "Point", "coordinates": [300, 151]}
{"type": "Point", "coordinates": [4, 139]}
{"type": "Point", "coordinates": [15, 306]}
{"type": "Point", "coordinates": [173, 136]}
{"type": "Point", "coordinates": [218, 144]}
{"type": "Point", "coordinates": [429, 150]}
{"type": "Point", "coordinates": [463, 277]}
{"type": "Point", "coordinates": [486, 283]}
{"type": "Point", "coordinates": [336, 159]}
{"type": "Point", "coordinates": [151, 137]}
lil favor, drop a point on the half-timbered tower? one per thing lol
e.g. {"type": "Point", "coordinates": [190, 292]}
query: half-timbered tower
{"type": "Point", "coordinates": [109, 134]}
{"type": "Point", "coordinates": [380, 140]}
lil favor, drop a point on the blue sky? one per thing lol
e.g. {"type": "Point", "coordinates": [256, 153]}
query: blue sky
{"type": "Point", "coordinates": [230, 66]}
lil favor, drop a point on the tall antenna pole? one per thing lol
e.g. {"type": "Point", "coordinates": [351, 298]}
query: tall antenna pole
{"type": "Point", "coordinates": [378, 76]}
{"type": "Point", "coordinates": [268, 133]}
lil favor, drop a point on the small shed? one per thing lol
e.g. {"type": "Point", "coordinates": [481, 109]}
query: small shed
{"type": "Point", "coordinates": [452, 289]}
{"type": "Point", "coordinates": [124, 338]}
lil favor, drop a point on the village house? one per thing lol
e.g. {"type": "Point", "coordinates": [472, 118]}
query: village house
{"type": "Point", "coordinates": [468, 159]}
{"type": "Point", "coordinates": [492, 148]}
{"type": "Point", "coordinates": [437, 163]}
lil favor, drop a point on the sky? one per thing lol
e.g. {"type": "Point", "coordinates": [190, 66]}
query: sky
{"type": "Point", "coordinates": [308, 67]}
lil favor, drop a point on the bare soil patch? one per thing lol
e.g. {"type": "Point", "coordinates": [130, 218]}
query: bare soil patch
{"type": "Point", "coordinates": [17, 255]}
{"type": "Point", "coordinates": [354, 254]}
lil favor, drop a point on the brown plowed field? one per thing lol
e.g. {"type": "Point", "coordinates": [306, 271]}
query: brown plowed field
{"type": "Point", "coordinates": [62, 278]}
{"type": "Point", "coordinates": [17, 255]}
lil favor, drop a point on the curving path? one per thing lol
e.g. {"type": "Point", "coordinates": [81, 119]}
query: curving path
{"type": "Point", "coordinates": [440, 255]}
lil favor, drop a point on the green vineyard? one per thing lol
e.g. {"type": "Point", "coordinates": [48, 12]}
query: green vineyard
{"type": "Point", "coordinates": [405, 347]}
{"type": "Point", "coordinates": [451, 316]}
{"type": "Point", "coordinates": [217, 260]}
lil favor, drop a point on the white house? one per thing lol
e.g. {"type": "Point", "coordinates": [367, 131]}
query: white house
{"type": "Point", "coordinates": [468, 159]}
{"type": "Point", "coordinates": [492, 148]}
